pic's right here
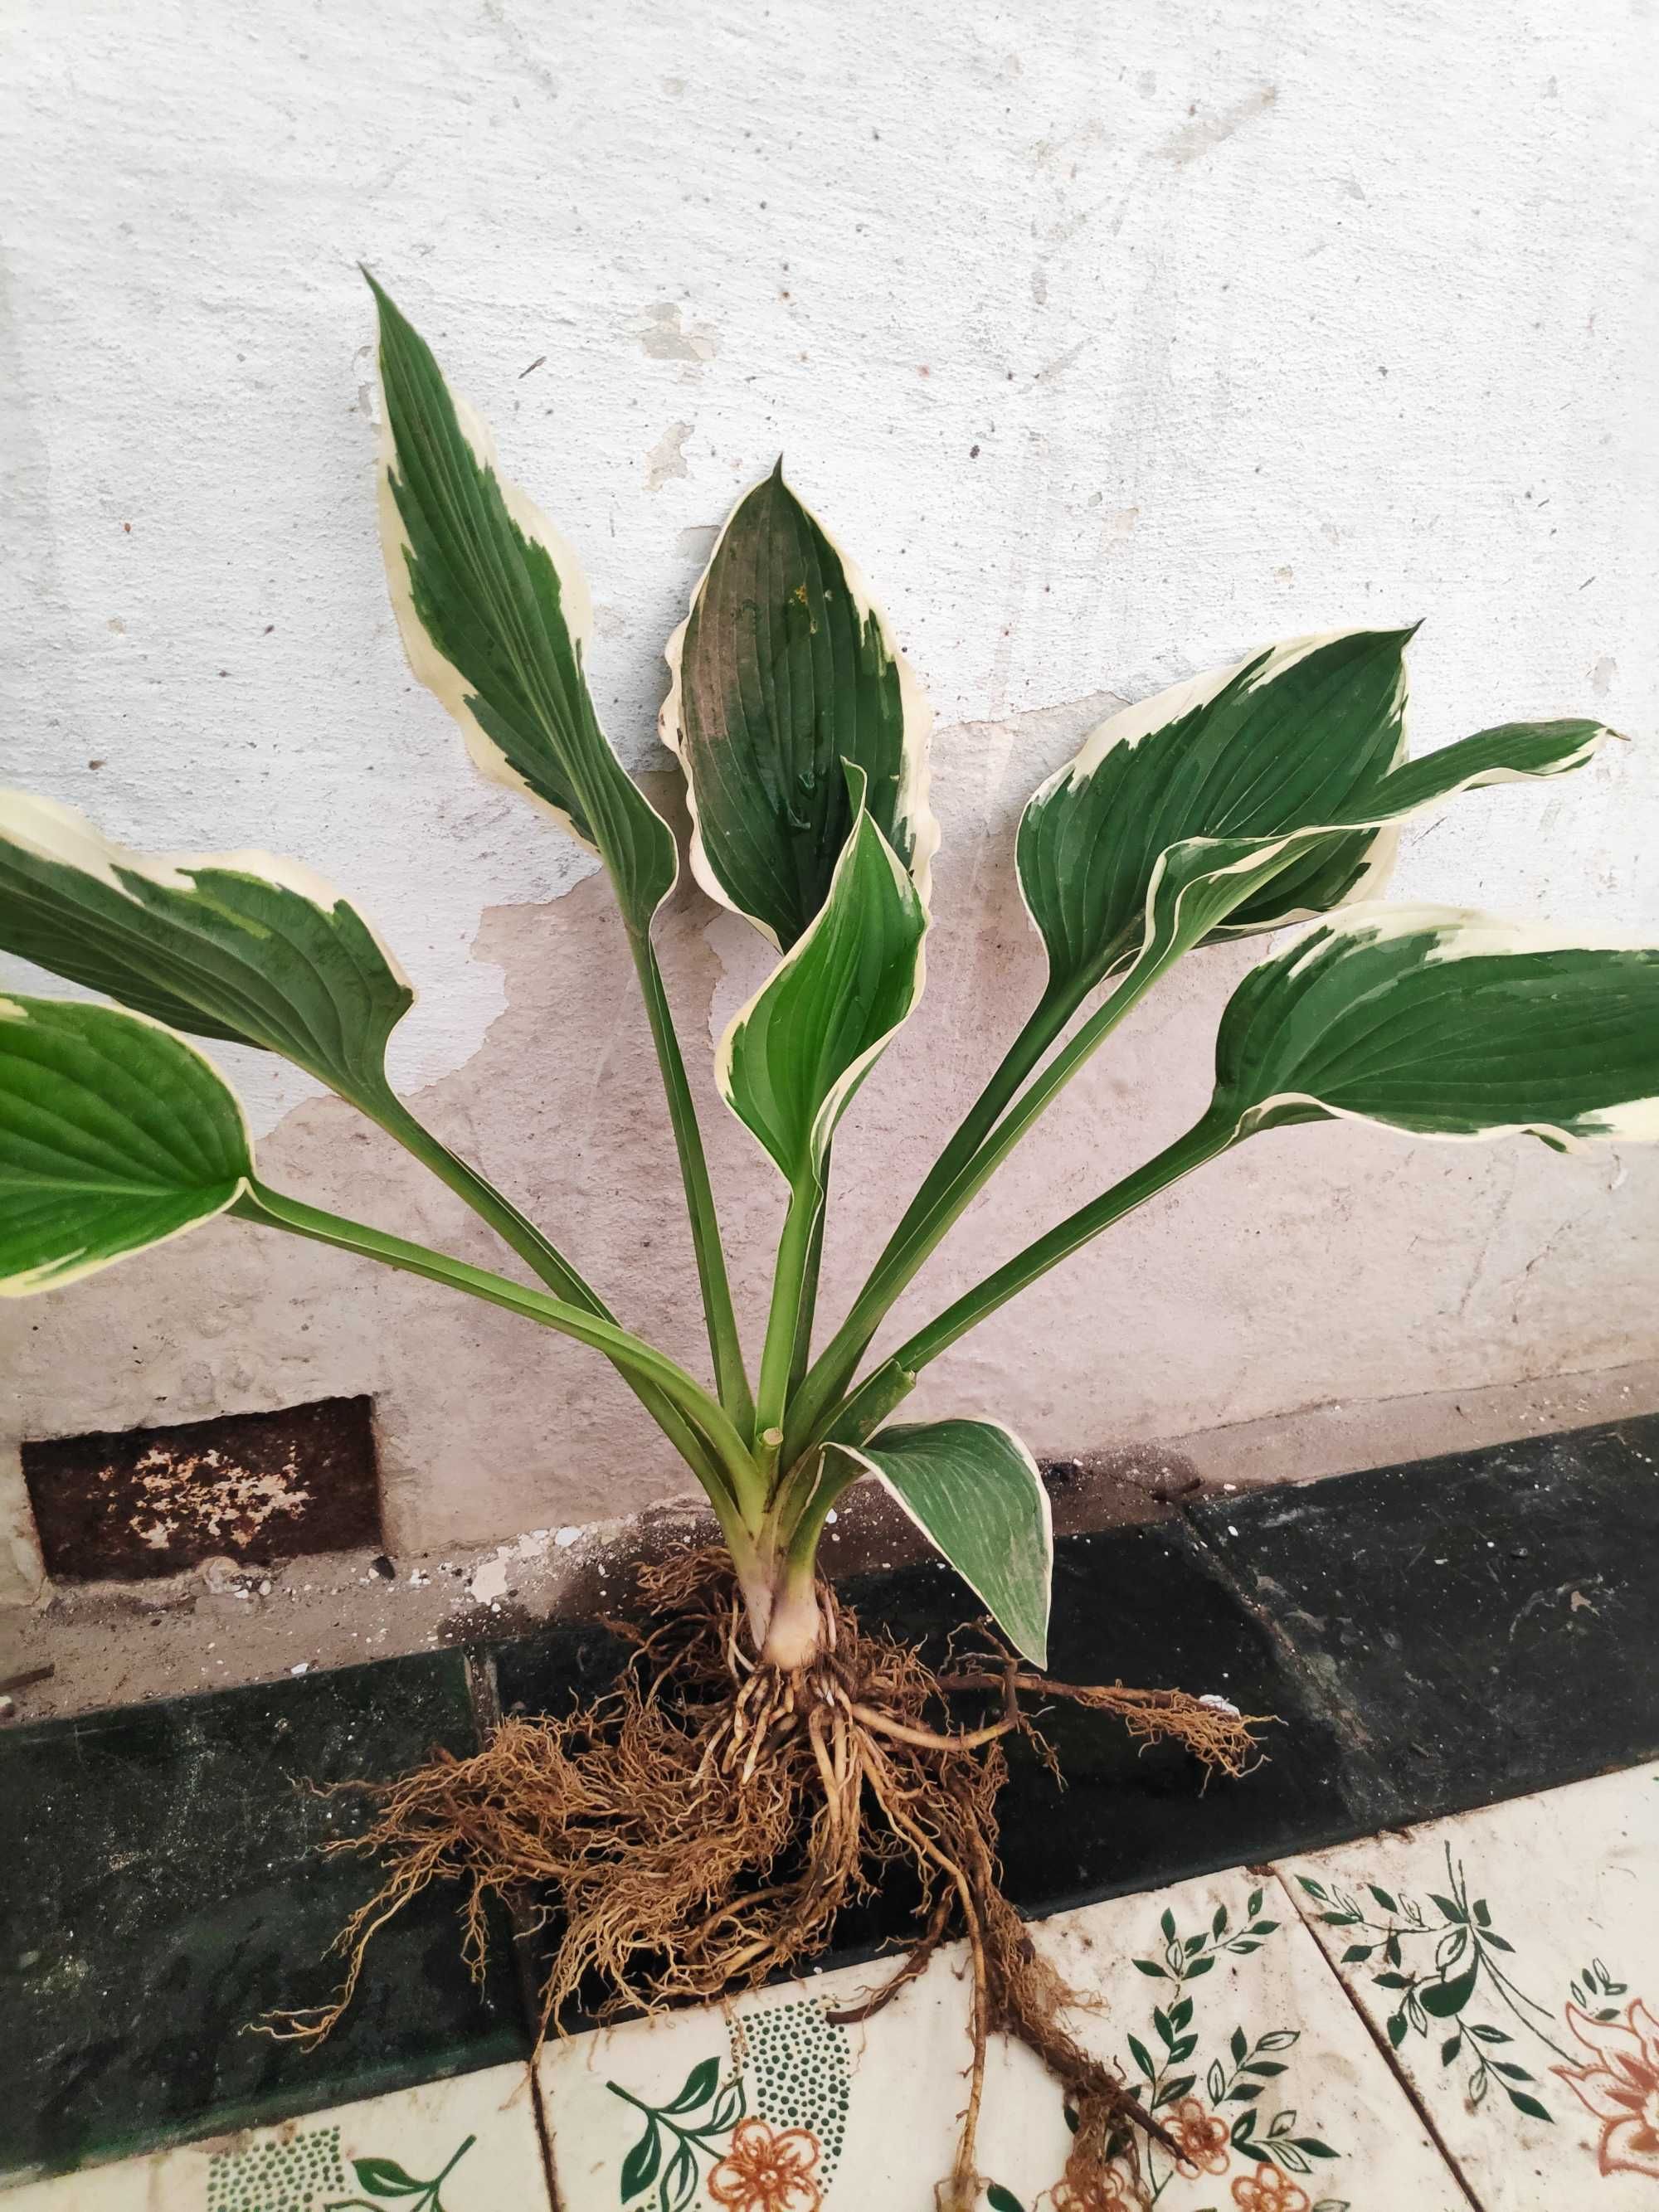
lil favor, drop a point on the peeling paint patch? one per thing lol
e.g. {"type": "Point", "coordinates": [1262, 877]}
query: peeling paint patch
{"type": "Point", "coordinates": [1204, 133]}
{"type": "Point", "coordinates": [665, 337]}
{"type": "Point", "coordinates": [666, 458]}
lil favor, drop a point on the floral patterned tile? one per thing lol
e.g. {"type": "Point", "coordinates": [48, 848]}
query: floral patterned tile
{"type": "Point", "coordinates": [466, 2145]}
{"type": "Point", "coordinates": [1511, 1959]}
{"type": "Point", "coordinates": [1211, 1997]}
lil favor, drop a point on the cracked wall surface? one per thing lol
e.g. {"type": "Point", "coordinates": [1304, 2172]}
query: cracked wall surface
{"type": "Point", "coordinates": [1114, 341]}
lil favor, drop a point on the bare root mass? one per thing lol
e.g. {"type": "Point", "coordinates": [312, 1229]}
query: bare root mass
{"type": "Point", "coordinates": [698, 1829]}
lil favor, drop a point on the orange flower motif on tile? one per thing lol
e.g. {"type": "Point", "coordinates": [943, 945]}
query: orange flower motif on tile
{"type": "Point", "coordinates": [1267, 2189]}
{"type": "Point", "coordinates": [1620, 2087]}
{"type": "Point", "coordinates": [767, 2170]}
{"type": "Point", "coordinates": [1203, 2139]}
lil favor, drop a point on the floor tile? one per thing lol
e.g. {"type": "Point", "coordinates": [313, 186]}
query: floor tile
{"type": "Point", "coordinates": [1510, 1957]}
{"type": "Point", "coordinates": [467, 2145]}
{"type": "Point", "coordinates": [1211, 1997]}
{"type": "Point", "coordinates": [1476, 1626]}
{"type": "Point", "coordinates": [165, 1887]}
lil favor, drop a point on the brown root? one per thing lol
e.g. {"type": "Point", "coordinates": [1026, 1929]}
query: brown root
{"type": "Point", "coordinates": [698, 1828]}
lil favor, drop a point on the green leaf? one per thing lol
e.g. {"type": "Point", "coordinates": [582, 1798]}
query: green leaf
{"type": "Point", "coordinates": [496, 616]}
{"type": "Point", "coordinates": [115, 1134]}
{"type": "Point", "coordinates": [1531, 2105]}
{"type": "Point", "coordinates": [1446, 1022]}
{"type": "Point", "coordinates": [1150, 1968]}
{"type": "Point", "coordinates": [384, 2177]}
{"type": "Point", "coordinates": [1283, 738]}
{"type": "Point", "coordinates": [973, 1489]}
{"type": "Point", "coordinates": [698, 2086]}
{"type": "Point", "coordinates": [783, 670]}
{"type": "Point", "coordinates": [1383, 1897]}
{"type": "Point", "coordinates": [792, 1059]}
{"type": "Point", "coordinates": [241, 947]}
{"type": "Point", "coordinates": [1443, 2000]}
{"type": "Point", "coordinates": [679, 2182]}
{"type": "Point", "coordinates": [1002, 2200]}
{"type": "Point", "coordinates": [1199, 886]}
{"type": "Point", "coordinates": [1396, 2029]}
{"type": "Point", "coordinates": [640, 2166]}
{"type": "Point", "coordinates": [1142, 2056]}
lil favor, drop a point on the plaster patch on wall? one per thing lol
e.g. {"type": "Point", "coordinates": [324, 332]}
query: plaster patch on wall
{"type": "Point", "coordinates": [663, 335]}
{"type": "Point", "coordinates": [666, 458]}
{"type": "Point", "coordinates": [1204, 133]}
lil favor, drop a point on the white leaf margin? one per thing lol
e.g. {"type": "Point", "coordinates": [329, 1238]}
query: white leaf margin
{"type": "Point", "coordinates": [430, 665]}
{"type": "Point", "coordinates": [1129, 726]}
{"type": "Point", "coordinates": [1469, 933]}
{"type": "Point", "coordinates": [52, 1275]}
{"type": "Point", "coordinates": [859, 1456]}
{"type": "Point", "coordinates": [62, 836]}
{"type": "Point", "coordinates": [916, 709]}
{"type": "Point", "coordinates": [1156, 942]}
{"type": "Point", "coordinates": [839, 1094]}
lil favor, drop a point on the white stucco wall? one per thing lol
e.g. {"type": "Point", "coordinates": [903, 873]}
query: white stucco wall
{"type": "Point", "coordinates": [1113, 338]}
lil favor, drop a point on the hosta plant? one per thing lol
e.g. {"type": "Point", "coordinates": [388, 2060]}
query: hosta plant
{"type": "Point", "coordinates": [707, 1825]}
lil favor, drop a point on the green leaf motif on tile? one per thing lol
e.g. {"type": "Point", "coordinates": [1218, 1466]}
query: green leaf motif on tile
{"type": "Point", "coordinates": [383, 2180]}
{"type": "Point", "coordinates": [384, 2177]}
{"type": "Point", "coordinates": [1236, 2073]}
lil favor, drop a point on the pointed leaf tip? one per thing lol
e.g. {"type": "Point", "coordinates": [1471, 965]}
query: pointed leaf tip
{"type": "Point", "coordinates": [975, 1491]}
{"type": "Point", "coordinates": [790, 1060]}
{"type": "Point", "coordinates": [783, 668]}
{"type": "Point", "coordinates": [494, 614]}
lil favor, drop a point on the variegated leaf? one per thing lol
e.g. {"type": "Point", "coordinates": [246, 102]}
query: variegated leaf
{"type": "Point", "coordinates": [1447, 1023]}
{"type": "Point", "coordinates": [1199, 886]}
{"type": "Point", "coordinates": [1291, 735]}
{"type": "Point", "coordinates": [114, 1135]}
{"type": "Point", "coordinates": [784, 670]}
{"type": "Point", "coordinates": [974, 1490]}
{"type": "Point", "coordinates": [496, 616]}
{"type": "Point", "coordinates": [237, 946]}
{"type": "Point", "coordinates": [792, 1059]}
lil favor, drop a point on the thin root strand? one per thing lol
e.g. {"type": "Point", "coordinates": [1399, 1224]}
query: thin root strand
{"type": "Point", "coordinates": [700, 1827]}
